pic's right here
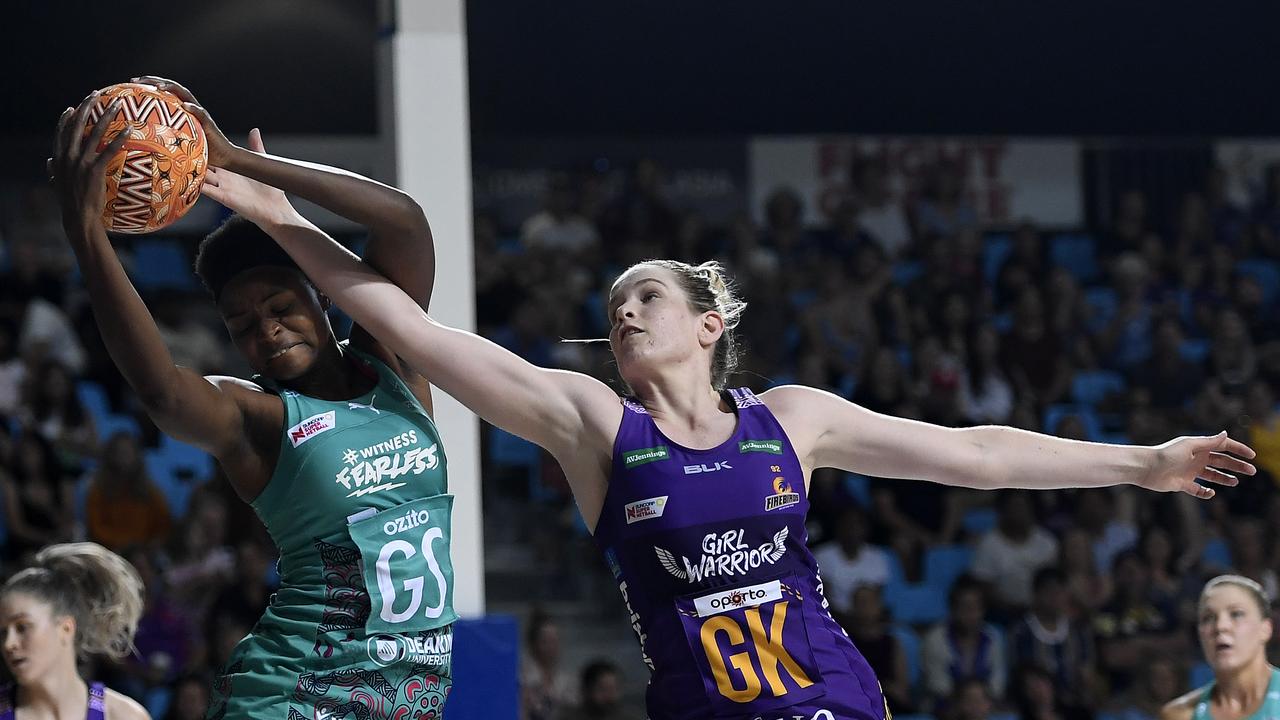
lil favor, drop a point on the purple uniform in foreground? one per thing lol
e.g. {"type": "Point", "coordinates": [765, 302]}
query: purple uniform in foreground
{"type": "Point", "coordinates": [709, 550]}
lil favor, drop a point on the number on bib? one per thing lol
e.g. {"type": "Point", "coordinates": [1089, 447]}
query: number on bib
{"type": "Point", "coordinates": [410, 588]}
{"type": "Point", "coordinates": [765, 648]}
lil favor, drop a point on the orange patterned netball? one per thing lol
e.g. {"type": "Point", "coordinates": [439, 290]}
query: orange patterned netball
{"type": "Point", "coordinates": [157, 175]}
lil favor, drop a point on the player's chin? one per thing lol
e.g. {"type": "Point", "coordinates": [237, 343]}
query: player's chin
{"type": "Point", "coordinates": [291, 366]}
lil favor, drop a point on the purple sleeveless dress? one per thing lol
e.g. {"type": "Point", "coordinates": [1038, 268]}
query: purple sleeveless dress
{"type": "Point", "coordinates": [709, 550]}
{"type": "Point", "coordinates": [97, 701]}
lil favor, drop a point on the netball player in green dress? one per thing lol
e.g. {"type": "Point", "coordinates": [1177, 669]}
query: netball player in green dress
{"type": "Point", "coordinates": [331, 442]}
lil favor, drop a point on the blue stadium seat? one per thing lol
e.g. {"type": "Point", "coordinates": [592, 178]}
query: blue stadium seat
{"type": "Point", "coordinates": [1101, 302]}
{"type": "Point", "coordinates": [1090, 388]}
{"type": "Point", "coordinates": [1055, 414]}
{"type": "Point", "coordinates": [995, 250]}
{"type": "Point", "coordinates": [977, 521]}
{"type": "Point", "coordinates": [859, 488]}
{"type": "Point", "coordinates": [1194, 350]}
{"type": "Point", "coordinates": [944, 563]}
{"type": "Point", "coordinates": [910, 643]}
{"type": "Point", "coordinates": [915, 604]}
{"type": "Point", "coordinates": [907, 271]}
{"type": "Point", "coordinates": [1076, 253]}
{"type": "Point", "coordinates": [177, 492]}
{"type": "Point", "coordinates": [159, 263]}
{"type": "Point", "coordinates": [1201, 674]}
{"type": "Point", "coordinates": [113, 423]}
{"type": "Point", "coordinates": [510, 452]}
{"type": "Point", "coordinates": [93, 398]}
{"type": "Point", "coordinates": [1266, 273]}
{"type": "Point", "coordinates": [1216, 553]}
{"type": "Point", "coordinates": [195, 464]}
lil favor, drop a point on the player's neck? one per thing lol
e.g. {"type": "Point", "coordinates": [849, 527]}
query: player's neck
{"type": "Point", "coordinates": [1243, 689]}
{"type": "Point", "coordinates": [333, 377]}
{"type": "Point", "coordinates": [59, 694]}
{"type": "Point", "coordinates": [683, 401]}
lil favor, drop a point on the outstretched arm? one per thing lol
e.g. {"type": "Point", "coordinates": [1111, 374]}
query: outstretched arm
{"type": "Point", "coordinates": [400, 243]}
{"type": "Point", "coordinates": [830, 431]}
{"type": "Point", "coordinates": [562, 411]}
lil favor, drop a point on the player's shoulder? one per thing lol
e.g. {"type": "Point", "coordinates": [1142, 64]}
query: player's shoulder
{"type": "Point", "coordinates": [1182, 707]}
{"type": "Point", "coordinates": [789, 397]}
{"type": "Point", "coordinates": [123, 707]}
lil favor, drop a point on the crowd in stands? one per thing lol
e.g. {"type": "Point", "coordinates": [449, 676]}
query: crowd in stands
{"type": "Point", "coordinates": [1057, 605]}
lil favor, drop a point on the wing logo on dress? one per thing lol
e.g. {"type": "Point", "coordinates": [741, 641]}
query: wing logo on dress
{"type": "Point", "coordinates": [725, 555]}
{"type": "Point", "coordinates": [779, 548]}
{"type": "Point", "coordinates": [669, 562]}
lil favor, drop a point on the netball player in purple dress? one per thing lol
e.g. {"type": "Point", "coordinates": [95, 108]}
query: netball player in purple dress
{"type": "Point", "coordinates": [696, 493]}
{"type": "Point", "coordinates": [74, 600]}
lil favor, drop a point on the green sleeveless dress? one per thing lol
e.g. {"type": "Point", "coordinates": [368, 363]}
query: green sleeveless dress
{"type": "Point", "coordinates": [1269, 710]}
{"type": "Point", "coordinates": [361, 626]}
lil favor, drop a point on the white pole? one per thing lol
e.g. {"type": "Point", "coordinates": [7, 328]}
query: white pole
{"type": "Point", "coordinates": [433, 164]}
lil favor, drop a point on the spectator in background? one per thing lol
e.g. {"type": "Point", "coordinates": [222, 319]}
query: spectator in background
{"type": "Point", "coordinates": [162, 645]}
{"type": "Point", "coordinates": [47, 334]}
{"type": "Point", "coordinates": [1264, 427]}
{"type": "Point", "coordinates": [1036, 698]}
{"type": "Point", "coordinates": [1132, 628]}
{"type": "Point", "coordinates": [27, 279]}
{"type": "Point", "coordinates": [243, 600]}
{"type": "Point", "coordinates": [964, 645]}
{"type": "Point", "coordinates": [1027, 265]}
{"type": "Point", "coordinates": [1087, 589]}
{"type": "Point", "coordinates": [559, 227]}
{"type": "Point", "coordinates": [12, 370]}
{"type": "Point", "coordinates": [1249, 554]}
{"type": "Point", "coordinates": [37, 498]}
{"type": "Point", "coordinates": [124, 507]}
{"type": "Point", "coordinates": [191, 344]}
{"type": "Point", "coordinates": [1125, 343]}
{"type": "Point", "coordinates": [849, 562]}
{"type": "Point", "coordinates": [986, 398]}
{"type": "Point", "coordinates": [1032, 356]}
{"type": "Point", "coordinates": [544, 686]}
{"type": "Point", "coordinates": [1008, 556]}
{"type": "Point", "coordinates": [1160, 681]}
{"type": "Point", "coordinates": [601, 695]}
{"type": "Point", "coordinates": [867, 624]}
{"type": "Point", "coordinates": [1130, 225]}
{"type": "Point", "coordinates": [971, 700]}
{"type": "Point", "coordinates": [201, 560]}
{"type": "Point", "coordinates": [943, 208]}
{"type": "Point", "coordinates": [1047, 637]}
{"type": "Point", "coordinates": [190, 698]}
{"type": "Point", "coordinates": [1168, 377]}
{"type": "Point", "coordinates": [880, 216]}
{"type": "Point", "coordinates": [52, 409]}
{"type": "Point", "coordinates": [1098, 513]}
{"type": "Point", "coordinates": [640, 212]}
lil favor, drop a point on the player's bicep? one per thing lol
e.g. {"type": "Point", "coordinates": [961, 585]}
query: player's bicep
{"type": "Point", "coordinates": [837, 433]}
{"type": "Point", "coordinates": [205, 412]}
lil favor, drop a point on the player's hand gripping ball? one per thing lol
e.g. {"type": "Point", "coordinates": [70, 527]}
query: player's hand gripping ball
{"type": "Point", "coordinates": [156, 177]}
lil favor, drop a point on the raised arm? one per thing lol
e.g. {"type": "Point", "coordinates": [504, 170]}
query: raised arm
{"type": "Point", "coordinates": [829, 431]}
{"type": "Point", "coordinates": [179, 400]}
{"type": "Point", "coordinates": [567, 413]}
